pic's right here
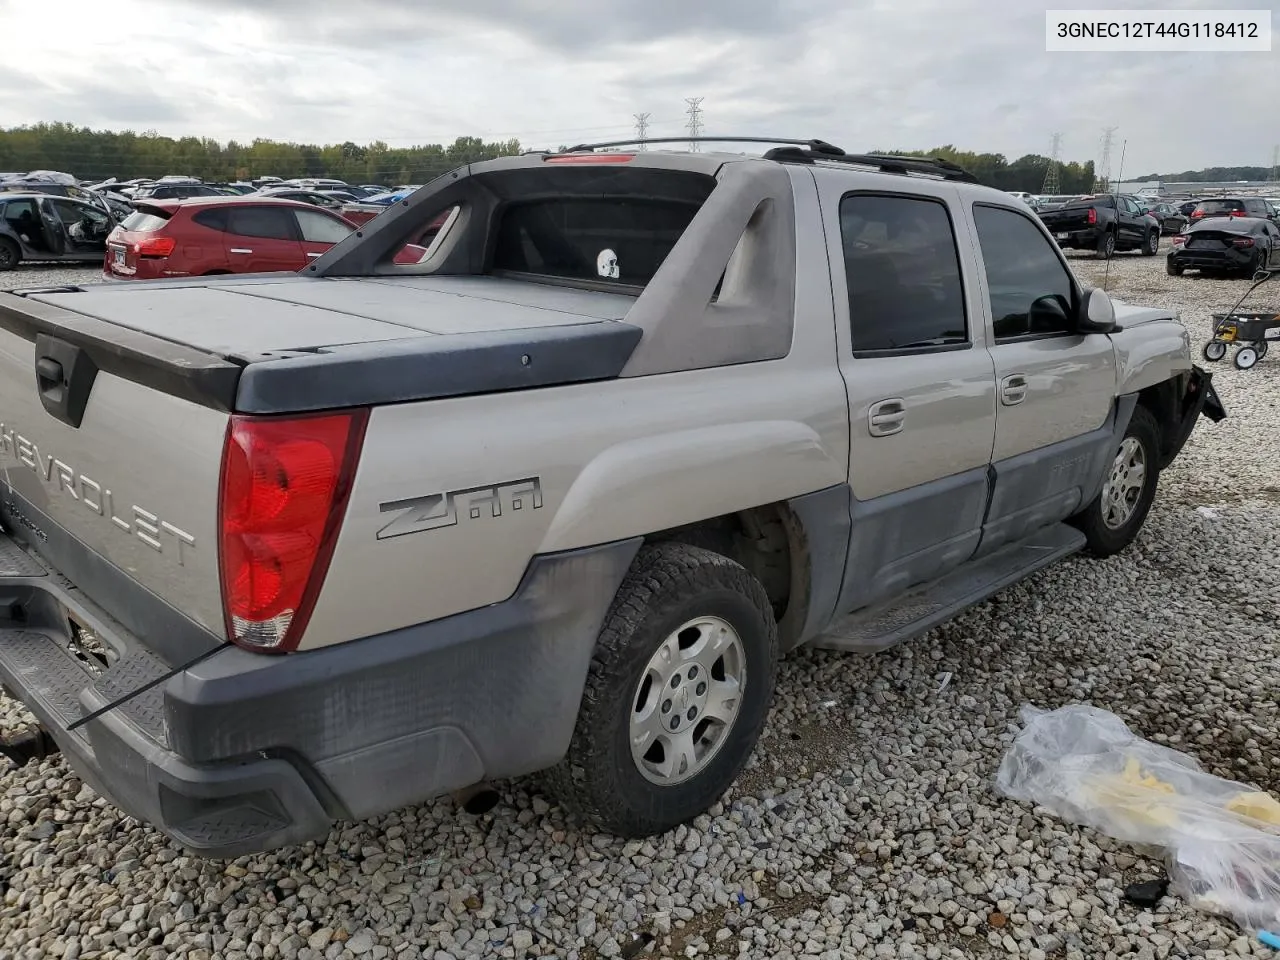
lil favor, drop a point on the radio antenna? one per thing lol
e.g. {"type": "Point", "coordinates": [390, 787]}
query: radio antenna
{"type": "Point", "coordinates": [1115, 193]}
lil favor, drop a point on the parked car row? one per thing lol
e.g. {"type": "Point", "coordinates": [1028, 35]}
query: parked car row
{"type": "Point", "coordinates": [50, 216]}
{"type": "Point", "coordinates": [1214, 236]}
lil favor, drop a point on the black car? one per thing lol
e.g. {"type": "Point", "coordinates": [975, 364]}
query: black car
{"type": "Point", "coordinates": [1172, 220]}
{"type": "Point", "coordinates": [1234, 207]}
{"type": "Point", "coordinates": [37, 226]}
{"type": "Point", "coordinates": [1222, 245]}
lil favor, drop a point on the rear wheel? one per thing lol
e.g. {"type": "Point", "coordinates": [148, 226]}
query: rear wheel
{"type": "Point", "coordinates": [1151, 246]}
{"type": "Point", "coordinates": [1172, 269]}
{"type": "Point", "coordinates": [1107, 245]}
{"type": "Point", "coordinates": [10, 255]}
{"type": "Point", "coordinates": [676, 695]}
{"type": "Point", "coordinates": [1112, 521]}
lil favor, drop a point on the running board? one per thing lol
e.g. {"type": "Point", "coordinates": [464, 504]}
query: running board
{"type": "Point", "coordinates": [885, 625]}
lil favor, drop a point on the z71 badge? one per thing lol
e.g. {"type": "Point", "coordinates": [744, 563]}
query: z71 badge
{"type": "Point", "coordinates": [438, 510]}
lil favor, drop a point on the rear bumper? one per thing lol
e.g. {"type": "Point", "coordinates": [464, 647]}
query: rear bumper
{"type": "Point", "coordinates": [1086, 238]}
{"type": "Point", "coordinates": [241, 752]}
{"type": "Point", "coordinates": [1231, 259]}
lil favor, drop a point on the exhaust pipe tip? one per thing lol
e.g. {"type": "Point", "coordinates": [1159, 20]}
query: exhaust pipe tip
{"type": "Point", "coordinates": [477, 799]}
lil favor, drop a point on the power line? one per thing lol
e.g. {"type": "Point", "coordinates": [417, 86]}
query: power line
{"type": "Point", "coordinates": [642, 128]}
{"type": "Point", "coordinates": [1102, 177]}
{"type": "Point", "coordinates": [695, 121]}
{"type": "Point", "coordinates": [1051, 179]}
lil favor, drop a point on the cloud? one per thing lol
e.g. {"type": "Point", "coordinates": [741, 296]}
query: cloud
{"type": "Point", "coordinates": [861, 73]}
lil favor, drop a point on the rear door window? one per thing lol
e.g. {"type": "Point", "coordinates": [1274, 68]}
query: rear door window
{"type": "Point", "coordinates": [903, 274]}
{"type": "Point", "coordinates": [271, 223]}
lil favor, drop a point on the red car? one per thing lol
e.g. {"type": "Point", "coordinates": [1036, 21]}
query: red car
{"type": "Point", "coordinates": [208, 235]}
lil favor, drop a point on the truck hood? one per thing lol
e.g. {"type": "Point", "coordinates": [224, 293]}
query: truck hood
{"type": "Point", "coordinates": [1129, 315]}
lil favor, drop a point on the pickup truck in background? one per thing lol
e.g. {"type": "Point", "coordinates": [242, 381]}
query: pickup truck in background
{"type": "Point", "coordinates": [1106, 223]}
{"type": "Point", "coordinates": [281, 550]}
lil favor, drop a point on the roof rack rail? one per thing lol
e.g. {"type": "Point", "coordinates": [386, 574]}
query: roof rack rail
{"type": "Point", "coordinates": [884, 162]}
{"type": "Point", "coordinates": [807, 151]}
{"type": "Point", "coordinates": [820, 147]}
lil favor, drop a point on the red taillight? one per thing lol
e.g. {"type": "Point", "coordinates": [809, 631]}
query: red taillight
{"type": "Point", "coordinates": [592, 158]}
{"type": "Point", "coordinates": [1237, 213]}
{"type": "Point", "coordinates": [1093, 215]}
{"type": "Point", "coordinates": [1179, 239]}
{"type": "Point", "coordinates": [1242, 242]}
{"type": "Point", "coordinates": [155, 247]}
{"type": "Point", "coordinates": [283, 493]}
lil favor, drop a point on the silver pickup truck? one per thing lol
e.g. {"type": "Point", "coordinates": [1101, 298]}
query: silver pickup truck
{"type": "Point", "coordinates": [283, 550]}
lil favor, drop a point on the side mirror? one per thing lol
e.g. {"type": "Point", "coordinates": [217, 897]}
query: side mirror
{"type": "Point", "coordinates": [1097, 313]}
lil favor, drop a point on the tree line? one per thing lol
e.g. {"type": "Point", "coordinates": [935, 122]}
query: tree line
{"type": "Point", "coordinates": [99, 154]}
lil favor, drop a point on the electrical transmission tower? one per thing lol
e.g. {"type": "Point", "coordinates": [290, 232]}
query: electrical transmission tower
{"type": "Point", "coordinates": [695, 120]}
{"type": "Point", "coordinates": [1102, 177]}
{"type": "Point", "coordinates": [642, 128]}
{"type": "Point", "coordinates": [1051, 181]}
{"type": "Point", "coordinates": [1275, 164]}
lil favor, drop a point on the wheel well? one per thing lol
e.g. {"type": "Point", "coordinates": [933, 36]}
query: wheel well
{"type": "Point", "coordinates": [1161, 400]}
{"type": "Point", "coordinates": [770, 542]}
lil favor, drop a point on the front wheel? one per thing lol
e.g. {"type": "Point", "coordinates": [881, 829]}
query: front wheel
{"type": "Point", "coordinates": [1214, 350]}
{"type": "Point", "coordinates": [1112, 521]}
{"type": "Point", "coordinates": [676, 695]}
{"type": "Point", "coordinates": [1151, 246]}
{"type": "Point", "coordinates": [1172, 269]}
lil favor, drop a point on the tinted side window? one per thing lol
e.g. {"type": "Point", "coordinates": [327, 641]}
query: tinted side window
{"type": "Point", "coordinates": [1023, 270]}
{"type": "Point", "coordinates": [903, 273]}
{"type": "Point", "coordinates": [271, 223]}
{"type": "Point", "coordinates": [317, 228]}
{"type": "Point", "coordinates": [215, 218]}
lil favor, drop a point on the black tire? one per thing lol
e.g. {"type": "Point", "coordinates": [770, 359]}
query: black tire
{"type": "Point", "coordinates": [1151, 244]}
{"type": "Point", "coordinates": [1172, 269]}
{"type": "Point", "coordinates": [668, 585]}
{"type": "Point", "coordinates": [1106, 246]}
{"type": "Point", "coordinates": [10, 255]}
{"type": "Point", "coordinates": [1103, 540]}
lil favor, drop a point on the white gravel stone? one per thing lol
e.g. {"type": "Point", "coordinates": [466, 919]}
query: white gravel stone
{"type": "Point", "coordinates": [865, 826]}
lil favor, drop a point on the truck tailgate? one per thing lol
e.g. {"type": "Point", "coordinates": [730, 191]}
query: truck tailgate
{"type": "Point", "coordinates": [124, 504]}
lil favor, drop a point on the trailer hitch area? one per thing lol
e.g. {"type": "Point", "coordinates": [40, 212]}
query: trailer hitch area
{"type": "Point", "coordinates": [29, 743]}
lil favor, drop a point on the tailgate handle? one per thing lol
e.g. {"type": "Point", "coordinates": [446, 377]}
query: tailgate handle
{"type": "Point", "coordinates": [64, 378]}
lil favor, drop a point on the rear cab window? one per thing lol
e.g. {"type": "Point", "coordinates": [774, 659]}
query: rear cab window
{"type": "Point", "coordinates": [610, 228]}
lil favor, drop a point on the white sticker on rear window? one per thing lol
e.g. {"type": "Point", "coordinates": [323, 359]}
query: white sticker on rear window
{"type": "Point", "coordinates": [607, 264]}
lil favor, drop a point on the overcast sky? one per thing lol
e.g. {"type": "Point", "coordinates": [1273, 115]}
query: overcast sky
{"type": "Point", "coordinates": [865, 74]}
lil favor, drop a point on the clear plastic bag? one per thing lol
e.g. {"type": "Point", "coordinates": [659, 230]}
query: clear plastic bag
{"type": "Point", "coordinates": [1220, 840]}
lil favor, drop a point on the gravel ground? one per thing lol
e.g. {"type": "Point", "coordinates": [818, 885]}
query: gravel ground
{"type": "Point", "coordinates": [867, 825]}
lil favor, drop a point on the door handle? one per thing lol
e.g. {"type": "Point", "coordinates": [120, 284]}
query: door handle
{"type": "Point", "coordinates": [1013, 389]}
{"type": "Point", "coordinates": [241, 250]}
{"type": "Point", "coordinates": [885, 418]}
